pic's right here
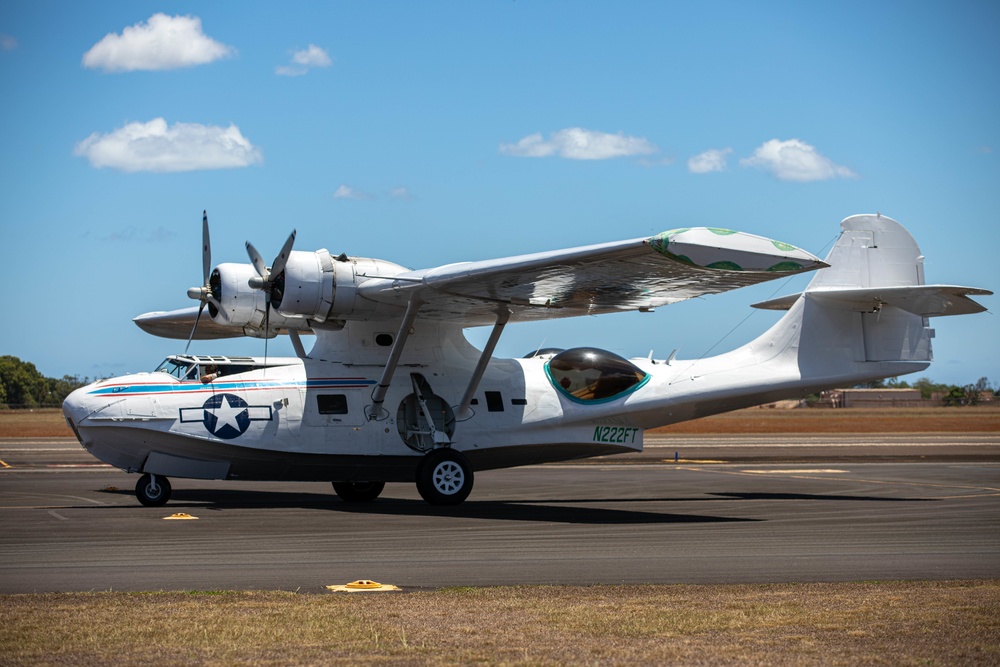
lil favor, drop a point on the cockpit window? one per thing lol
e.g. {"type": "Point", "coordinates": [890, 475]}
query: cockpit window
{"type": "Point", "coordinates": [179, 369]}
{"type": "Point", "coordinates": [590, 375]}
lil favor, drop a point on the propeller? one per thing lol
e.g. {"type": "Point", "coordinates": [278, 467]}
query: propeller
{"type": "Point", "coordinates": [270, 280]}
{"type": "Point", "coordinates": [203, 293]}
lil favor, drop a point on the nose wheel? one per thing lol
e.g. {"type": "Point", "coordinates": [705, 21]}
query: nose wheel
{"type": "Point", "coordinates": [444, 477]}
{"type": "Point", "coordinates": [153, 490]}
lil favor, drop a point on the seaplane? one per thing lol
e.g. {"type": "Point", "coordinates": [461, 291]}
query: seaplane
{"type": "Point", "coordinates": [391, 390]}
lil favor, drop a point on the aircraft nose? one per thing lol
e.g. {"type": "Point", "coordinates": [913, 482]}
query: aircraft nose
{"type": "Point", "coordinates": [76, 407]}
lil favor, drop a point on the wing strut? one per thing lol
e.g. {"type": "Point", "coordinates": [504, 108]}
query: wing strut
{"type": "Point", "coordinates": [484, 360]}
{"type": "Point", "coordinates": [378, 394]}
{"type": "Point", "coordinates": [300, 351]}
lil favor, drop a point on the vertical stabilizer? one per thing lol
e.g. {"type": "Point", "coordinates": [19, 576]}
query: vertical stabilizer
{"type": "Point", "coordinates": [872, 251]}
{"type": "Point", "coordinates": [866, 316]}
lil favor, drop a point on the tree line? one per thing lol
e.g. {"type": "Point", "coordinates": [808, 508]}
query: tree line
{"type": "Point", "coordinates": [23, 386]}
{"type": "Point", "coordinates": [951, 394]}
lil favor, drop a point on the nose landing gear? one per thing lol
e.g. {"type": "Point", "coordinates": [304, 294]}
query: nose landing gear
{"type": "Point", "coordinates": [153, 490]}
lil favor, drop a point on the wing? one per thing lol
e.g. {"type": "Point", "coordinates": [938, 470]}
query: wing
{"type": "Point", "coordinates": [637, 274]}
{"type": "Point", "coordinates": [178, 323]}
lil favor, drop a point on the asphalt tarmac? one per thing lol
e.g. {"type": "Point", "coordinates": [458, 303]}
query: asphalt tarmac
{"type": "Point", "coordinates": [729, 510]}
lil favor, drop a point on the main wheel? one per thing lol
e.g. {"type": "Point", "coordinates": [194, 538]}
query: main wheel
{"type": "Point", "coordinates": [358, 492]}
{"type": "Point", "coordinates": [153, 490]}
{"type": "Point", "coordinates": [444, 477]}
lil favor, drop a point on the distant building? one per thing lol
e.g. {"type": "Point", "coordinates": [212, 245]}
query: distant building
{"type": "Point", "coordinates": [872, 398]}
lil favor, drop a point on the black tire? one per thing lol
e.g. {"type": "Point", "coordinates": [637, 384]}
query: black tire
{"type": "Point", "coordinates": [150, 494]}
{"type": "Point", "coordinates": [358, 492]}
{"type": "Point", "coordinates": [444, 477]}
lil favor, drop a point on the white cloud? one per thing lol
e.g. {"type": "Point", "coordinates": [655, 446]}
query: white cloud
{"type": "Point", "coordinates": [303, 60]}
{"type": "Point", "coordinates": [7, 42]}
{"type": "Point", "coordinates": [576, 143]}
{"type": "Point", "coordinates": [795, 160]}
{"type": "Point", "coordinates": [155, 147]}
{"type": "Point", "coordinates": [401, 193]}
{"type": "Point", "coordinates": [714, 159]}
{"type": "Point", "coordinates": [347, 192]}
{"type": "Point", "coordinates": [163, 42]}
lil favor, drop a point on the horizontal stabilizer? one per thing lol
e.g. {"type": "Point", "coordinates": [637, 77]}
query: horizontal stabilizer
{"type": "Point", "coordinates": [922, 300]}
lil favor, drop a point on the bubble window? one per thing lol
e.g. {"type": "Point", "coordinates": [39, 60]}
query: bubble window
{"type": "Point", "coordinates": [591, 375]}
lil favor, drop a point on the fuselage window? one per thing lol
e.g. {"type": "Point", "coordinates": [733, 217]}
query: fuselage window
{"type": "Point", "coordinates": [494, 401]}
{"type": "Point", "coordinates": [331, 404]}
{"type": "Point", "coordinates": [587, 374]}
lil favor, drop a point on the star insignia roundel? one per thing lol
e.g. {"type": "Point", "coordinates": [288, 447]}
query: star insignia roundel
{"type": "Point", "coordinates": [226, 416]}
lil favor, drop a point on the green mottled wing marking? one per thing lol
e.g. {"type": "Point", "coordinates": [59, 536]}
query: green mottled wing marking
{"type": "Point", "coordinates": [725, 265]}
{"type": "Point", "coordinates": [662, 240]}
{"type": "Point", "coordinates": [720, 231]}
{"type": "Point", "coordinates": [786, 266]}
{"type": "Point", "coordinates": [786, 247]}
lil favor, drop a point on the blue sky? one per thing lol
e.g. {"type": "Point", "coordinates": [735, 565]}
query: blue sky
{"type": "Point", "coordinates": [434, 132]}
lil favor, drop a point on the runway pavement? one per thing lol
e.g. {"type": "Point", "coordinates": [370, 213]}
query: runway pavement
{"type": "Point", "coordinates": [768, 509]}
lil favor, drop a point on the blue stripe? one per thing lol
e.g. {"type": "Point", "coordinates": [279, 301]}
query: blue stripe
{"type": "Point", "coordinates": [194, 387]}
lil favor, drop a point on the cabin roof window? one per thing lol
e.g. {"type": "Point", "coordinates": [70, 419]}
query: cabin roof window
{"type": "Point", "coordinates": [191, 367]}
{"type": "Point", "coordinates": [592, 375]}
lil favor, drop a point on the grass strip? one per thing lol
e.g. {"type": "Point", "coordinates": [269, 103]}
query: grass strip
{"type": "Point", "coordinates": [871, 623]}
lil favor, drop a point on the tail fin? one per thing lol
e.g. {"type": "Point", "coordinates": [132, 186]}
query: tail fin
{"type": "Point", "coordinates": [867, 314]}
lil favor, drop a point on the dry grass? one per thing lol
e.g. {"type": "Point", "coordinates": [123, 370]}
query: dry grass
{"type": "Point", "coordinates": [898, 623]}
{"type": "Point", "coordinates": [42, 423]}
{"type": "Point", "coordinates": [49, 423]}
{"type": "Point", "coordinates": [976, 419]}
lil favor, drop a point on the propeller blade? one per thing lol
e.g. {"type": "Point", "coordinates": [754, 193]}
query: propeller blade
{"type": "Point", "coordinates": [267, 325]}
{"type": "Point", "coordinates": [206, 249]}
{"type": "Point", "coordinates": [257, 260]}
{"type": "Point", "coordinates": [278, 265]}
{"type": "Point", "coordinates": [195, 327]}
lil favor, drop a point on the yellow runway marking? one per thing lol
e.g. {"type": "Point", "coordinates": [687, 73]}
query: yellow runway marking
{"type": "Point", "coordinates": [988, 490]}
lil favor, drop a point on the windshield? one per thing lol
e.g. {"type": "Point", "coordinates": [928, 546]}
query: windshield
{"type": "Point", "coordinates": [179, 369]}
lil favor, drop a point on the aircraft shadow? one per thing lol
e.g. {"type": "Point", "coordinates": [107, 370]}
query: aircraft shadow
{"type": "Point", "coordinates": [549, 510]}
{"type": "Point", "coordinates": [534, 511]}
{"type": "Point", "coordinates": [546, 511]}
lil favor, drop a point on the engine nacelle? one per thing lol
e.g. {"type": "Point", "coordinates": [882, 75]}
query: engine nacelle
{"type": "Point", "coordinates": [239, 304]}
{"type": "Point", "coordinates": [320, 288]}
{"type": "Point", "coordinates": [306, 287]}
{"type": "Point", "coordinates": [313, 291]}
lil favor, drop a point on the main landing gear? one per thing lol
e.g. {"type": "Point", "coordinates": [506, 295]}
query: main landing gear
{"type": "Point", "coordinates": [153, 490]}
{"type": "Point", "coordinates": [358, 492]}
{"type": "Point", "coordinates": [444, 477]}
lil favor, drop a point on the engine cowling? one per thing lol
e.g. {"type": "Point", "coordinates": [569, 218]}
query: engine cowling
{"type": "Point", "coordinates": [239, 304]}
{"type": "Point", "coordinates": [323, 289]}
{"type": "Point", "coordinates": [313, 290]}
{"type": "Point", "coordinates": [306, 287]}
